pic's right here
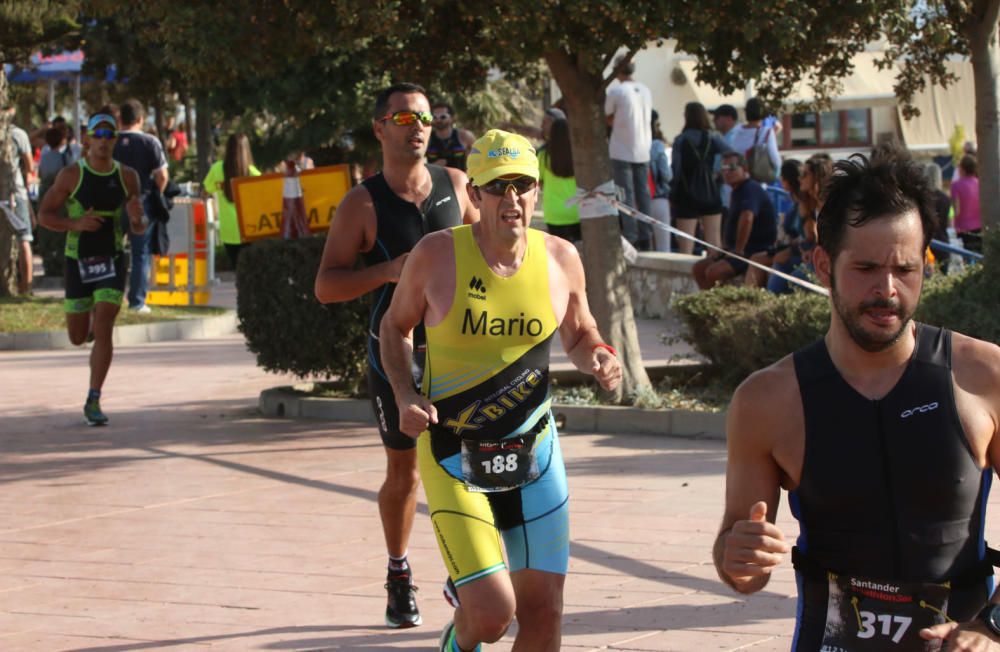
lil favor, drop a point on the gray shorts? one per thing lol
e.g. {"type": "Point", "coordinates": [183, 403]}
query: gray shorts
{"type": "Point", "coordinates": [20, 219]}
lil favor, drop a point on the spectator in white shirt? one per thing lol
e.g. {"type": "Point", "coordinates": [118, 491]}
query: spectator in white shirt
{"type": "Point", "coordinates": [629, 108]}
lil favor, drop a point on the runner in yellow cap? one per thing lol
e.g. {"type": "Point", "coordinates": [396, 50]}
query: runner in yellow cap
{"type": "Point", "coordinates": [491, 296]}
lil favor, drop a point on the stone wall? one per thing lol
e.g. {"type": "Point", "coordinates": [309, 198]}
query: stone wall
{"type": "Point", "coordinates": [655, 277]}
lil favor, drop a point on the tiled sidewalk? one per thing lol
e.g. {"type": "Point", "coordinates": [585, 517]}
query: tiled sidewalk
{"type": "Point", "coordinates": [191, 523]}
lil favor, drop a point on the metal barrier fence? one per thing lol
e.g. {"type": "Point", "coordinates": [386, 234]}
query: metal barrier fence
{"type": "Point", "coordinates": [185, 276]}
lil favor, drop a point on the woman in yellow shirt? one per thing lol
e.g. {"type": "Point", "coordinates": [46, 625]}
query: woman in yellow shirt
{"type": "Point", "coordinates": [238, 162]}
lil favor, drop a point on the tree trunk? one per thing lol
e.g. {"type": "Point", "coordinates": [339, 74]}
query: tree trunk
{"type": "Point", "coordinates": [206, 148]}
{"type": "Point", "coordinates": [8, 240]}
{"type": "Point", "coordinates": [606, 270]}
{"type": "Point", "coordinates": [981, 29]}
{"type": "Point", "coordinates": [158, 117]}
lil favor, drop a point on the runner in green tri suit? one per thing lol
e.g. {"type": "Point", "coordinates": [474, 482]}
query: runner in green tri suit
{"type": "Point", "coordinates": [92, 193]}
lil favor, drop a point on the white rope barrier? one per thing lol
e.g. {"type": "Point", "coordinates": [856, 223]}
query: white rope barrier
{"type": "Point", "coordinates": [601, 198]}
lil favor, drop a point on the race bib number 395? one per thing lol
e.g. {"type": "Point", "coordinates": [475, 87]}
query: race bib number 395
{"type": "Point", "coordinates": [870, 615]}
{"type": "Point", "coordinates": [96, 268]}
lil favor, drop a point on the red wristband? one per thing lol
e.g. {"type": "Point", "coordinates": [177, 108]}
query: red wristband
{"type": "Point", "coordinates": [606, 347]}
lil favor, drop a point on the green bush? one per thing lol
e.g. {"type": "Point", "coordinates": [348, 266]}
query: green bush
{"type": "Point", "coordinates": [967, 302]}
{"type": "Point", "coordinates": [284, 324]}
{"type": "Point", "coordinates": [740, 330]}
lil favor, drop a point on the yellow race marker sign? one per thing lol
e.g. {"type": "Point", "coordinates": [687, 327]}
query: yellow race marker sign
{"type": "Point", "coordinates": [258, 200]}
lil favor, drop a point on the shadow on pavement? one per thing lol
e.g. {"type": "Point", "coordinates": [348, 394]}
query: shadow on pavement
{"type": "Point", "coordinates": [363, 641]}
{"type": "Point", "coordinates": [58, 445]}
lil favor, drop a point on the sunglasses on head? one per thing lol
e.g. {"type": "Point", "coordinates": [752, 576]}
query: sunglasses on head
{"type": "Point", "coordinates": [106, 134]}
{"type": "Point", "coordinates": [499, 187]}
{"type": "Point", "coordinates": [406, 118]}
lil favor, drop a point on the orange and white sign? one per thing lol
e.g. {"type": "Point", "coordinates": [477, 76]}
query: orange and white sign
{"type": "Point", "coordinates": [258, 200]}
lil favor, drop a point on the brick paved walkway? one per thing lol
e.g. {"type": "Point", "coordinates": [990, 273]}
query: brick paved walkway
{"type": "Point", "coordinates": [191, 523]}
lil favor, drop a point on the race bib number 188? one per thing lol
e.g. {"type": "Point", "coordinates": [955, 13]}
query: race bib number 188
{"type": "Point", "coordinates": [498, 465]}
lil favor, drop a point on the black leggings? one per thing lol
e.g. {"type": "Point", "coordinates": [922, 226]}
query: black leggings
{"type": "Point", "coordinates": [233, 252]}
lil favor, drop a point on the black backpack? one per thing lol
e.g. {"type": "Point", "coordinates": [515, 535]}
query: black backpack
{"type": "Point", "coordinates": [697, 180]}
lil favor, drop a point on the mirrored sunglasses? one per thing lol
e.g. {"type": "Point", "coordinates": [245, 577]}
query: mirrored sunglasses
{"type": "Point", "coordinates": [105, 134]}
{"type": "Point", "coordinates": [406, 118]}
{"type": "Point", "coordinates": [499, 187]}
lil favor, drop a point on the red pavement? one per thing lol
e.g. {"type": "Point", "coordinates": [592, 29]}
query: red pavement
{"type": "Point", "coordinates": [191, 523]}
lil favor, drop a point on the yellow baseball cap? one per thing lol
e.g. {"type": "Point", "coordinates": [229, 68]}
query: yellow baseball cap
{"type": "Point", "coordinates": [500, 153]}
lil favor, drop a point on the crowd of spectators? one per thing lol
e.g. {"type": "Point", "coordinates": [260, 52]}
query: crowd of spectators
{"type": "Point", "coordinates": [724, 182]}
{"type": "Point", "coordinates": [688, 182]}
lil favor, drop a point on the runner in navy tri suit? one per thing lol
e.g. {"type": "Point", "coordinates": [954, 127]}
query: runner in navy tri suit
{"type": "Point", "coordinates": [884, 434]}
{"type": "Point", "coordinates": [380, 221]}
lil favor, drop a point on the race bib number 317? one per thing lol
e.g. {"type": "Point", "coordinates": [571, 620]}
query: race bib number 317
{"type": "Point", "coordinates": [871, 615]}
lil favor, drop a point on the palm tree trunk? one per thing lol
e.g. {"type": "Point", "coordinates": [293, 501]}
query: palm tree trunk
{"type": "Point", "coordinates": [981, 28]}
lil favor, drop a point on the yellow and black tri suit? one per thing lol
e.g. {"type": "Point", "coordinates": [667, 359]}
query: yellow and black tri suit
{"type": "Point", "coordinates": [487, 374]}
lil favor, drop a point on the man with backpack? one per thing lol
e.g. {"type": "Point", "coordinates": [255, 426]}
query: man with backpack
{"type": "Point", "coordinates": [758, 144]}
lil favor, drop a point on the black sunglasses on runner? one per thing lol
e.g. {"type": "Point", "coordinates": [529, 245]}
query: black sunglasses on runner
{"type": "Point", "coordinates": [498, 187]}
{"type": "Point", "coordinates": [406, 118]}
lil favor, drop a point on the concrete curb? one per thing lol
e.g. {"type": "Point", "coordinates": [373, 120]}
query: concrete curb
{"type": "Point", "coordinates": [161, 331]}
{"type": "Point", "coordinates": [286, 402]}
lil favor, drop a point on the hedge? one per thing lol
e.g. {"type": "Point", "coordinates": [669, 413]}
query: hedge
{"type": "Point", "coordinates": [739, 330]}
{"type": "Point", "coordinates": [970, 302]}
{"type": "Point", "coordinates": [284, 324]}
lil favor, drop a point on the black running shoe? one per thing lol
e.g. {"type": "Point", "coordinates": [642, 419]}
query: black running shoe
{"type": "Point", "coordinates": [401, 610]}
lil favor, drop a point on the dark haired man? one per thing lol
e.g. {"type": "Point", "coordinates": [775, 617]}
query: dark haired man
{"type": "Point", "coordinates": [884, 433]}
{"type": "Point", "coordinates": [448, 146]}
{"type": "Point", "coordinates": [725, 118]}
{"type": "Point", "coordinates": [380, 221]}
{"type": "Point", "coordinates": [757, 132]}
{"type": "Point", "coordinates": [492, 297]}
{"type": "Point", "coordinates": [86, 201]}
{"type": "Point", "coordinates": [751, 225]}
{"type": "Point", "coordinates": [144, 154]}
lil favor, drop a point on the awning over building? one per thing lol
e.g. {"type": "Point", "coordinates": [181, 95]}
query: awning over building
{"type": "Point", "coordinates": [941, 109]}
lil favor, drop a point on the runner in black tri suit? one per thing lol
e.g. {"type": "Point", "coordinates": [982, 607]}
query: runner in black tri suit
{"type": "Point", "coordinates": [381, 220]}
{"type": "Point", "coordinates": [92, 192]}
{"type": "Point", "coordinates": [448, 145]}
{"type": "Point", "coordinates": [884, 433]}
